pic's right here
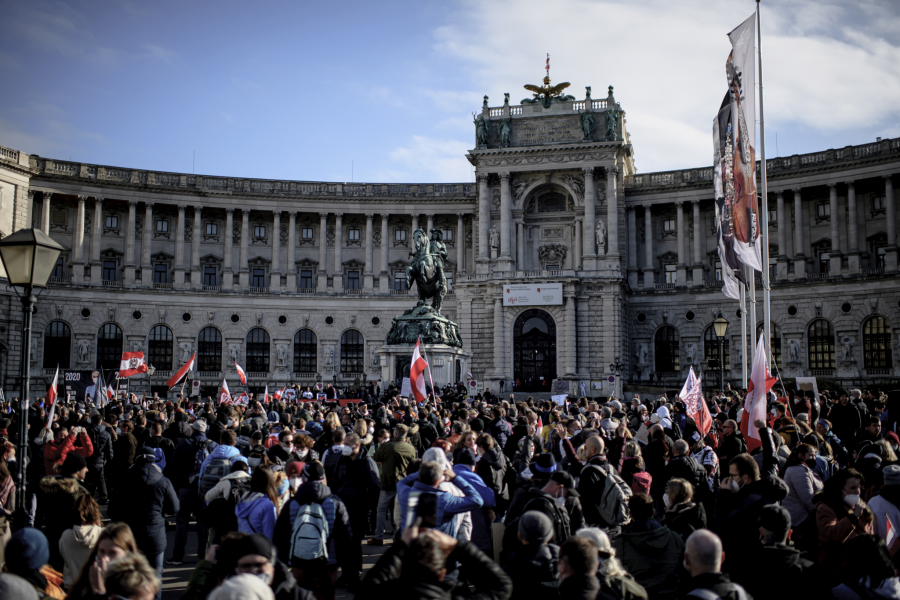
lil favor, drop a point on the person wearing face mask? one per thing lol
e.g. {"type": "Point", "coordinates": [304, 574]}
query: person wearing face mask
{"type": "Point", "coordinates": [840, 516]}
{"type": "Point", "coordinates": [256, 555]}
{"type": "Point", "coordinates": [803, 484]}
{"type": "Point", "coordinates": [284, 450]}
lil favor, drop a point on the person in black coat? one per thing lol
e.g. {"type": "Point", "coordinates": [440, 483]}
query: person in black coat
{"type": "Point", "coordinates": [141, 500]}
{"type": "Point", "coordinates": [683, 515]}
{"type": "Point", "coordinates": [578, 562]}
{"type": "Point", "coordinates": [684, 466]}
{"type": "Point", "coordinates": [533, 566]}
{"type": "Point", "coordinates": [491, 467]}
{"type": "Point", "coordinates": [103, 454]}
{"type": "Point", "coordinates": [357, 484]}
{"type": "Point", "coordinates": [498, 427]}
{"type": "Point", "coordinates": [703, 560]}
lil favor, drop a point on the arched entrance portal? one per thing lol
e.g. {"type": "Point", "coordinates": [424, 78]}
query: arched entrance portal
{"type": "Point", "coordinates": [534, 351]}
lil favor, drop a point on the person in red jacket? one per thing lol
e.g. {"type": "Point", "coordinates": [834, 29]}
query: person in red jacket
{"type": "Point", "coordinates": [56, 450]}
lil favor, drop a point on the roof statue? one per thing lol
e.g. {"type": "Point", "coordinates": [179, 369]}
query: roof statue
{"type": "Point", "coordinates": [546, 94]}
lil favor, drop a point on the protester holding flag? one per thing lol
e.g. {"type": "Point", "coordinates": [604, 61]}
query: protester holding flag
{"type": "Point", "coordinates": [886, 508]}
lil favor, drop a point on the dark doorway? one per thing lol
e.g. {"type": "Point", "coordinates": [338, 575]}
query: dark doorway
{"type": "Point", "coordinates": [534, 351]}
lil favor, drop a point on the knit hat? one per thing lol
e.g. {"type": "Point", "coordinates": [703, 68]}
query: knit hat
{"type": "Point", "coordinates": [535, 527]}
{"type": "Point", "coordinates": [145, 451]}
{"type": "Point", "coordinates": [72, 465]}
{"type": "Point", "coordinates": [465, 457]}
{"type": "Point", "coordinates": [776, 519]}
{"type": "Point", "coordinates": [199, 425]}
{"type": "Point", "coordinates": [255, 544]}
{"type": "Point", "coordinates": [27, 550]}
{"type": "Point", "coordinates": [891, 475]}
{"type": "Point", "coordinates": [314, 471]}
{"type": "Point", "coordinates": [544, 465]}
{"type": "Point", "coordinates": [294, 468]}
{"type": "Point", "coordinates": [567, 481]}
{"type": "Point", "coordinates": [245, 586]}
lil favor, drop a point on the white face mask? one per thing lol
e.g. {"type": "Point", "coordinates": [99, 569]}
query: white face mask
{"type": "Point", "coordinates": [560, 502]}
{"type": "Point", "coordinates": [303, 452]}
{"type": "Point", "coordinates": [666, 502]}
{"type": "Point", "coordinates": [346, 450]}
{"type": "Point", "coordinates": [295, 482]}
{"type": "Point", "coordinates": [288, 447]}
{"type": "Point", "coordinates": [735, 486]}
{"type": "Point", "coordinates": [371, 431]}
{"type": "Point", "coordinates": [266, 577]}
{"type": "Point", "coordinates": [851, 499]}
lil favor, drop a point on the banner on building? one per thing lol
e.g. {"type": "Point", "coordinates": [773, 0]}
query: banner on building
{"type": "Point", "coordinates": [533, 294]}
{"type": "Point", "coordinates": [808, 384]}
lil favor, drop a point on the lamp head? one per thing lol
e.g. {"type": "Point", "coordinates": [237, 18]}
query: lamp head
{"type": "Point", "coordinates": [29, 256]}
{"type": "Point", "coordinates": [720, 326]}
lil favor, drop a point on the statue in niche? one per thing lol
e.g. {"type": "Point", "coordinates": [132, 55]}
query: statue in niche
{"type": "Point", "coordinates": [600, 235]}
{"type": "Point", "coordinates": [847, 344]}
{"type": "Point", "coordinates": [482, 130]}
{"type": "Point", "coordinates": [642, 354]}
{"type": "Point", "coordinates": [794, 352]}
{"type": "Point", "coordinates": [185, 352]}
{"type": "Point", "coordinates": [504, 129]}
{"type": "Point", "coordinates": [329, 357]}
{"type": "Point", "coordinates": [587, 124]}
{"type": "Point", "coordinates": [691, 353]}
{"type": "Point", "coordinates": [494, 237]}
{"type": "Point", "coordinates": [84, 351]}
{"type": "Point", "coordinates": [612, 124]}
{"type": "Point", "coordinates": [282, 356]}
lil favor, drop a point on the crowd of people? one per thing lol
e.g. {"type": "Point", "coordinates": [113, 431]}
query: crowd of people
{"type": "Point", "coordinates": [488, 497]}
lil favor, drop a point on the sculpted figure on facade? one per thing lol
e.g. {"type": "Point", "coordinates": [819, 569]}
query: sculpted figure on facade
{"type": "Point", "coordinates": [691, 353]}
{"type": "Point", "coordinates": [612, 124]}
{"type": "Point", "coordinates": [504, 129]}
{"type": "Point", "coordinates": [482, 130]}
{"type": "Point", "coordinates": [587, 124]}
{"type": "Point", "coordinates": [847, 344]}
{"type": "Point", "coordinates": [136, 346]}
{"type": "Point", "coordinates": [329, 358]}
{"type": "Point", "coordinates": [600, 235]}
{"type": "Point", "coordinates": [642, 354]}
{"type": "Point", "coordinates": [186, 352]}
{"type": "Point", "coordinates": [427, 268]}
{"type": "Point", "coordinates": [234, 353]}
{"type": "Point", "coordinates": [794, 352]}
{"type": "Point", "coordinates": [282, 355]}
{"type": "Point", "coordinates": [84, 351]}
{"type": "Point", "coordinates": [494, 237]}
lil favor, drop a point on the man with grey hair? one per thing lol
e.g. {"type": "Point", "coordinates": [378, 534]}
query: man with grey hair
{"type": "Point", "coordinates": [703, 557]}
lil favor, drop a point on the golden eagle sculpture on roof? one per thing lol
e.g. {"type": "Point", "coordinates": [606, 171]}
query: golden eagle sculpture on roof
{"type": "Point", "coordinates": [546, 94]}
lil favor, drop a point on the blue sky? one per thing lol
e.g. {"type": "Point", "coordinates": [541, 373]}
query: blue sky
{"type": "Point", "coordinates": [302, 90]}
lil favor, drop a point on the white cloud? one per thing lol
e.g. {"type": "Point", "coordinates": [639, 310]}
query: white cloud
{"type": "Point", "coordinates": [428, 159]}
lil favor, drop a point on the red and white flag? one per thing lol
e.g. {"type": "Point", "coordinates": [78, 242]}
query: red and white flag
{"type": "Point", "coordinates": [224, 394]}
{"type": "Point", "coordinates": [757, 393]}
{"type": "Point", "coordinates": [133, 363]}
{"type": "Point", "coordinates": [890, 536]}
{"type": "Point", "coordinates": [241, 375]}
{"type": "Point", "coordinates": [417, 374]}
{"type": "Point", "coordinates": [277, 395]}
{"type": "Point", "coordinates": [51, 396]}
{"type": "Point", "coordinates": [266, 394]}
{"type": "Point", "coordinates": [180, 373]}
{"type": "Point", "coordinates": [695, 406]}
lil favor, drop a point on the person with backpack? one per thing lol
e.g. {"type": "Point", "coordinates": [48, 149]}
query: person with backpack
{"type": "Point", "coordinates": [223, 453]}
{"type": "Point", "coordinates": [257, 510]}
{"type": "Point", "coordinates": [703, 557]}
{"type": "Point", "coordinates": [311, 528]}
{"type": "Point", "coordinates": [605, 493]}
{"type": "Point", "coordinates": [221, 501]}
{"type": "Point", "coordinates": [492, 467]}
{"type": "Point", "coordinates": [163, 447]}
{"type": "Point", "coordinates": [103, 454]}
{"type": "Point", "coordinates": [553, 499]}
{"type": "Point", "coordinates": [189, 456]}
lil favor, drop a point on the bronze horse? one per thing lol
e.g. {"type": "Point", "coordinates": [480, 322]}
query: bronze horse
{"type": "Point", "coordinates": [426, 270]}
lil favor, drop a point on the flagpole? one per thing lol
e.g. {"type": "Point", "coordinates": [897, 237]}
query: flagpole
{"type": "Point", "coordinates": [743, 337]}
{"type": "Point", "coordinates": [430, 376]}
{"type": "Point", "coordinates": [765, 197]}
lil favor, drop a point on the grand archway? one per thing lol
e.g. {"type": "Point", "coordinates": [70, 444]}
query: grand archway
{"type": "Point", "coordinates": [534, 351]}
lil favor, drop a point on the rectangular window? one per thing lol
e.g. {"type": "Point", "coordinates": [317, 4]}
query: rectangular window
{"type": "Point", "coordinates": [718, 270]}
{"type": "Point", "coordinates": [399, 281]}
{"type": "Point", "coordinates": [162, 226]}
{"type": "Point", "coordinates": [109, 270]}
{"type": "Point", "coordinates": [353, 234]}
{"type": "Point", "coordinates": [823, 210]}
{"type": "Point", "coordinates": [60, 269]}
{"type": "Point", "coordinates": [306, 279]}
{"type": "Point", "coordinates": [879, 257]}
{"type": "Point", "coordinates": [259, 278]}
{"type": "Point", "coordinates": [823, 261]}
{"type": "Point", "coordinates": [212, 229]}
{"type": "Point", "coordinates": [112, 222]}
{"type": "Point", "coordinates": [773, 269]}
{"type": "Point", "coordinates": [259, 231]}
{"type": "Point", "coordinates": [160, 273]}
{"type": "Point", "coordinates": [210, 276]}
{"type": "Point", "coordinates": [773, 217]}
{"type": "Point", "coordinates": [671, 274]}
{"type": "Point", "coordinates": [306, 233]}
{"type": "Point", "coordinates": [352, 280]}
{"type": "Point", "coordinates": [448, 235]}
{"type": "Point", "coordinates": [553, 267]}
{"type": "Point", "coordinates": [669, 225]}
{"type": "Point", "coordinates": [449, 277]}
{"type": "Point", "coordinates": [399, 235]}
{"type": "Point", "coordinates": [877, 203]}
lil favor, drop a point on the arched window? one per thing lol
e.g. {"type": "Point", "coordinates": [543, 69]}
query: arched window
{"type": "Point", "coordinates": [209, 350]}
{"type": "Point", "coordinates": [820, 337]}
{"type": "Point", "coordinates": [159, 344]}
{"type": "Point", "coordinates": [666, 350]}
{"type": "Point", "coordinates": [352, 352]}
{"type": "Point", "coordinates": [876, 345]}
{"type": "Point", "coordinates": [711, 349]}
{"type": "Point", "coordinates": [109, 347]}
{"type": "Point", "coordinates": [305, 351]}
{"type": "Point", "coordinates": [57, 345]}
{"type": "Point", "coordinates": [258, 351]}
{"type": "Point", "coordinates": [775, 341]}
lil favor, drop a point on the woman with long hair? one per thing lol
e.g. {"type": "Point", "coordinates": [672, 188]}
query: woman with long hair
{"type": "Point", "coordinates": [633, 461]}
{"type": "Point", "coordinates": [615, 582]}
{"type": "Point", "coordinates": [77, 543]}
{"type": "Point", "coordinates": [803, 484]}
{"type": "Point", "coordinates": [841, 515]}
{"type": "Point", "coordinates": [257, 509]}
{"type": "Point", "coordinates": [465, 441]}
{"type": "Point", "coordinates": [114, 541]}
{"type": "Point", "coordinates": [683, 515]}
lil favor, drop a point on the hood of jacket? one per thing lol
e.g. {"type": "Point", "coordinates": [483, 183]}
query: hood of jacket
{"type": "Point", "coordinates": [493, 457]}
{"type": "Point", "coordinates": [250, 503]}
{"type": "Point", "coordinates": [236, 475]}
{"type": "Point", "coordinates": [61, 485]}
{"type": "Point", "coordinates": [222, 451]}
{"type": "Point", "coordinates": [649, 543]}
{"type": "Point", "coordinates": [146, 469]}
{"type": "Point", "coordinates": [87, 535]}
{"type": "Point", "coordinates": [312, 491]}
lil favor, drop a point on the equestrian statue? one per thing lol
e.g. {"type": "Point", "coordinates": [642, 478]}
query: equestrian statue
{"type": "Point", "coordinates": [427, 268]}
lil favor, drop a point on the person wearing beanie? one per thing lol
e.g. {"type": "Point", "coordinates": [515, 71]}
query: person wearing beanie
{"type": "Point", "coordinates": [242, 587]}
{"type": "Point", "coordinates": [141, 500]}
{"type": "Point", "coordinates": [27, 555]}
{"type": "Point", "coordinates": [59, 494]}
{"type": "Point", "coordinates": [556, 497]}
{"type": "Point", "coordinates": [532, 563]}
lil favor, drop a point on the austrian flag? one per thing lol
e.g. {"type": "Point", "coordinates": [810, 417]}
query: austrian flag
{"type": "Point", "coordinates": [133, 363]}
{"type": "Point", "coordinates": [241, 375]}
{"type": "Point", "coordinates": [417, 374]}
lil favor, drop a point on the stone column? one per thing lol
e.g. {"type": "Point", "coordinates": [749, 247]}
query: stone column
{"type": "Point", "coordinates": [460, 243]}
{"type": "Point", "coordinates": [322, 277]}
{"type": "Point", "coordinates": [415, 225]}
{"type": "Point", "coordinates": [179, 249]}
{"type": "Point", "coordinates": [430, 218]}
{"type": "Point", "coordinates": [799, 222]}
{"type": "Point", "coordinates": [499, 340]}
{"type": "Point", "coordinates": [196, 272]}
{"type": "Point", "coordinates": [78, 263]}
{"type": "Point", "coordinates": [782, 261]}
{"type": "Point", "coordinates": [890, 258]}
{"type": "Point", "coordinates": [96, 266]}
{"type": "Point", "coordinates": [520, 245]}
{"type": "Point", "coordinates": [275, 272]}
{"type": "Point", "coordinates": [338, 247]}
{"type": "Point", "coordinates": [45, 213]}
{"type": "Point", "coordinates": [291, 267]}
{"type": "Point", "coordinates": [369, 272]}
{"type": "Point", "coordinates": [834, 259]}
{"type": "Point", "coordinates": [146, 265]}
{"type": "Point", "coordinates": [579, 243]}
{"type": "Point", "coordinates": [484, 222]}
{"type": "Point", "coordinates": [129, 244]}
{"type": "Point", "coordinates": [681, 268]}
{"type": "Point", "coordinates": [648, 248]}
{"type": "Point", "coordinates": [505, 259]}
{"type": "Point", "coordinates": [227, 269]}
{"type": "Point", "coordinates": [852, 231]}
{"type": "Point", "coordinates": [632, 246]}
{"type": "Point", "coordinates": [244, 266]}
{"type": "Point", "coordinates": [384, 285]}
{"type": "Point", "coordinates": [698, 232]}
{"type": "Point", "coordinates": [571, 337]}
{"type": "Point", "coordinates": [588, 246]}
{"type": "Point", "coordinates": [612, 214]}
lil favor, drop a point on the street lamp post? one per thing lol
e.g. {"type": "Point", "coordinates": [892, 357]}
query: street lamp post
{"type": "Point", "coordinates": [720, 326]}
{"type": "Point", "coordinates": [29, 256]}
{"type": "Point", "coordinates": [150, 371]}
{"type": "Point", "coordinates": [615, 367]}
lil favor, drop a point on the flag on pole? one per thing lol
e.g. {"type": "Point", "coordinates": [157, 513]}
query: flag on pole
{"type": "Point", "coordinates": [695, 406]}
{"type": "Point", "coordinates": [732, 269]}
{"type": "Point", "coordinates": [241, 375]}
{"type": "Point", "coordinates": [757, 392]}
{"type": "Point", "coordinates": [890, 537]}
{"type": "Point", "coordinates": [51, 396]}
{"type": "Point", "coordinates": [224, 394]}
{"type": "Point", "coordinates": [277, 395]}
{"type": "Point", "coordinates": [548, 65]}
{"type": "Point", "coordinates": [180, 373]}
{"type": "Point", "coordinates": [266, 394]}
{"type": "Point", "coordinates": [469, 375]}
{"type": "Point", "coordinates": [133, 363]}
{"type": "Point", "coordinates": [417, 374]}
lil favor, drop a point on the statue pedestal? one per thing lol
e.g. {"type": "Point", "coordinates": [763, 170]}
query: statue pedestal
{"type": "Point", "coordinates": [395, 362]}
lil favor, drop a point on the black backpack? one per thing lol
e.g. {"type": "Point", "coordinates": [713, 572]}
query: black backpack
{"type": "Point", "coordinates": [220, 512]}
